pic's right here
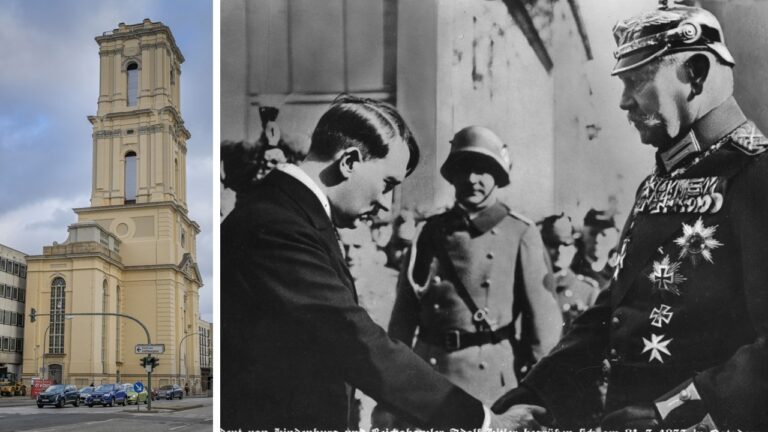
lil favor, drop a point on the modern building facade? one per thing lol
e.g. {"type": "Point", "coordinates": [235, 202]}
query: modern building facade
{"type": "Point", "coordinates": [13, 289]}
{"type": "Point", "coordinates": [205, 332]}
{"type": "Point", "coordinates": [132, 252]}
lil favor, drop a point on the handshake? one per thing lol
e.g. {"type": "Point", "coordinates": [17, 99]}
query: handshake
{"type": "Point", "coordinates": [519, 418]}
{"type": "Point", "coordinates": [519, 410]}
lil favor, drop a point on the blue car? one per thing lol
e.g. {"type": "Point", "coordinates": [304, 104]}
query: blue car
{"type": "Point", "coordinates": [107, 395]}
{"type": "Point", "coordinates": [170, 392]}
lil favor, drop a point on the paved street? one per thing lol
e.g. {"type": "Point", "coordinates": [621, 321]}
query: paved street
{"type": "Point", "coordinates": [187, 415]}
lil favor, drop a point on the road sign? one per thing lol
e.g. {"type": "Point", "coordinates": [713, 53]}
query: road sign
{"type": "Point", "coordinates": [150, 348]}
{"type": "Point", "coordinates": [138, 387]}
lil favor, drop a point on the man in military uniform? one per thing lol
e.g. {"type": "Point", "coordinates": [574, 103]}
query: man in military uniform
{"type": "Point", "coordinates": [574, 292]}
{"type": "Point", "coordinates": [684, 323]}
{"type": "Point", "coordinates": [596, 247]}
{"type": "Point", "coordinates": [471, 273]}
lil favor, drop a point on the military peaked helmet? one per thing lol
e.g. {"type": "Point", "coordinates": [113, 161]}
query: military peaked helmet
{"type": "Point", "coordinates": [481, 145]}
{"type": "Point", "coordinates": [667, 30]}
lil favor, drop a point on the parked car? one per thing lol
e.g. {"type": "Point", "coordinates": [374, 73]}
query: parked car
{"type": "Point", "coordinates": [58, 395]}
{"type": "Point", "coordinates": [107, 394]}
{"type": "Point", "coordinates": [170, 391]}
{"type": "Point", "coordinates": [85, 392]}
{"type": "Point", "coordinates": [134, 398]}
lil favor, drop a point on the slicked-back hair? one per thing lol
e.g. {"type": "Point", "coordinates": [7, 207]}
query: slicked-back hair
{"type": "Point", "coordinates": [369, 125]}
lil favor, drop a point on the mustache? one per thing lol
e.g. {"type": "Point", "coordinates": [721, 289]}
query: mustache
{"type": "Point", "coordinates": [647, 120]}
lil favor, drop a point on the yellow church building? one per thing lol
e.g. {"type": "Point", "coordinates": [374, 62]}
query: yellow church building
{"type": "Point", "coordinates": [133, 250]}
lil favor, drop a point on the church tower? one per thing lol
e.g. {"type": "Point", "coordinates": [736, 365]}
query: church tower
{"type": "Point", "coordinates": [132, 250]}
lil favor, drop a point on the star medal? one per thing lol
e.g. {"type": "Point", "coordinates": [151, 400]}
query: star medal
{"type": "Point", "coordinates": [665, 276]}
{"type": "Point", "coordinates": [660, 316]}
{"type": "Point", "coordinates": [657, 346]}
{"type": "Point", "coordinates": [697, 240]}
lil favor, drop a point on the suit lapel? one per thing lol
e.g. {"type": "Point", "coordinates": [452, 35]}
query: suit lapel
{"type": "Point", "coordinates": [313, 210]}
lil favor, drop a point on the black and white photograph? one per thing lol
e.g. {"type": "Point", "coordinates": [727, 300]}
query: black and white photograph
{"type": "Point", "coordinates": [493, 214]}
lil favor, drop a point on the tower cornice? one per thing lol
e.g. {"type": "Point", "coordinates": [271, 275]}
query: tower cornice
{"type": "Point", "coordinates": [146, 28]}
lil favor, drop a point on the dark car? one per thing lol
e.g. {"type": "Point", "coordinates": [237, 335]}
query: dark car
{"type": "Point", "coordinates": [85, 392]}
{"type": "Point", "coordinates": [107, 394]}
{"type": "Point", "coordinates": [170, 391]}
{"type": "Point", "coordinates": [58, 395]}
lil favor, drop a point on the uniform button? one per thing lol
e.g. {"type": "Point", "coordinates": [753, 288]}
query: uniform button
{"type": "Point", "coordinates": [436, 306]}
{"type": "Point", "coordinates": [482, 365]}
{"type": "Point", "coordinates": [490, 255]}
{"type": "Point", "coordinates": [615, 321]}
{"type": "Point", "coordinates": [613, 355]}
{"type": "Point", "coordinates": [436, 280]}
{"type": "Point", "coordinates": [566, 307]}
{"type": "Point", "coordinates": [568, 293]}
{"type": "Point", "coordinates": [685, 395]}
{"type": "Point", "coordinates": [494, 231]}
{"type": "Point", "coordinates": [486, 283]}
{"type": "Point", "coordinates": [433, 361]}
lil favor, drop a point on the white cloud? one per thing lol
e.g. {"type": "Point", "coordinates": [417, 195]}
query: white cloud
{"type": "Point", "coordinates": [39, 223]}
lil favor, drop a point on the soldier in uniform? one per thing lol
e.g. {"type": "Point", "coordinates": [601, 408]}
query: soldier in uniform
{"type": "Point", "coordinates": [595, 257]}
{"type": "Point", "coordinates": [684, 323]}
{"type": "Point", "coordinates": [471, 273]}
{"type": "Point", "coordinates": [574, 292]}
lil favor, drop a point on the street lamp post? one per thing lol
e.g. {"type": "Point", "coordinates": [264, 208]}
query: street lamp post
{"type": "Point", "coordinates": [149, 342]}
{"type": "Point", "coordinates": [178, 359]}
{"type": "Point", "coordinates": [70, 315]}
{"type": "Point", "coordinates": [45, 338]}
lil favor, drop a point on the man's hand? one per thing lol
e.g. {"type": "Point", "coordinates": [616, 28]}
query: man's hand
{"type": "Point", "coordinates": [519, 417]}
{"type": "Point", "coordinates": [631, 417]}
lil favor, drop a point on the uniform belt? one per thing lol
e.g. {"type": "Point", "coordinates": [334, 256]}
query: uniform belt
{"type": "Point", "coordinates": [454, 340]}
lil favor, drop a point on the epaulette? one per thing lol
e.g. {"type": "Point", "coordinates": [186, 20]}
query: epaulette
{"type": "Point", "coordinates": [749, 139]}
{"type": "Point", "coordinates": [520, 217]}
{"type": "Point", "coordinates": [588, 280]}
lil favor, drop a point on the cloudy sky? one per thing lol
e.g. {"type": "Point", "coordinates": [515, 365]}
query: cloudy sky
{"type": "Point", "coordinates": [49, 85]}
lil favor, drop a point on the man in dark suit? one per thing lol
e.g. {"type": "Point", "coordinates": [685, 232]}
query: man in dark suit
{"type": "Point", "coordinates": [295, 342]}
{"type": "Point", "coordinates": [683, 324]}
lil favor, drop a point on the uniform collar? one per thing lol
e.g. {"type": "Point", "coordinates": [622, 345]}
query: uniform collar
{"type": "Point", "coordinates": [706, 131]}
{"type": "Point", "coordinates": [486, 219]}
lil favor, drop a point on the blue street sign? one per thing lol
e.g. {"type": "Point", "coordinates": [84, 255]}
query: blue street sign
{"type": "Point", "coordinates": [138, 387]}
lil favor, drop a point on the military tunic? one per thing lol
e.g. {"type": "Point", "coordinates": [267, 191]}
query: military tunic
{"type": "Point", "coordinates": [499, 257]}
{"type": "Point", "coordinates": [575, 293]}
{"type": "Point", "coordinates": [685, 316]}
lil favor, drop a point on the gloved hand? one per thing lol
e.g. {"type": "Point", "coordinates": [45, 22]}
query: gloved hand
{"type": "Point", "coordinates": [632, 417]}
{"type": "Point", "coordinates": [520, 417]}
{"type": "Point", "coordinates": [516, 396]}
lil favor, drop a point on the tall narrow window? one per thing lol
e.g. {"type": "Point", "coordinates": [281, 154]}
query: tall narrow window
{"type": "Point", "coordinates": [176, 178]}
{"type": "Point", "coordinates": [133, 83]}
{"type": "Point", "coordinates": [58, 304]}
{"type": "Point", "coordinates": [130, 177]}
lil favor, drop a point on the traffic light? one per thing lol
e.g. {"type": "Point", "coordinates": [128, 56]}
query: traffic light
{"type": "Point", "coordinates": [143, 362]}
{"type": "Point", "coordinates": [32, 315]}
{"type": "Point", "coordinates": [155, 362]}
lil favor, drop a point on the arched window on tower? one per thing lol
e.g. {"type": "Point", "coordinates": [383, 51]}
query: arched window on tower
{"type": "Point", "coordinates": [133, 83]}
{"type": "Point", "coordinates": [58, 304]}
{"type": "Point", "coordinates": [130, 178]}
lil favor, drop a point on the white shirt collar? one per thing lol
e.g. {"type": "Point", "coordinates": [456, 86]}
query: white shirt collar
{"type": "Point", "coordinates": [299, 174]}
